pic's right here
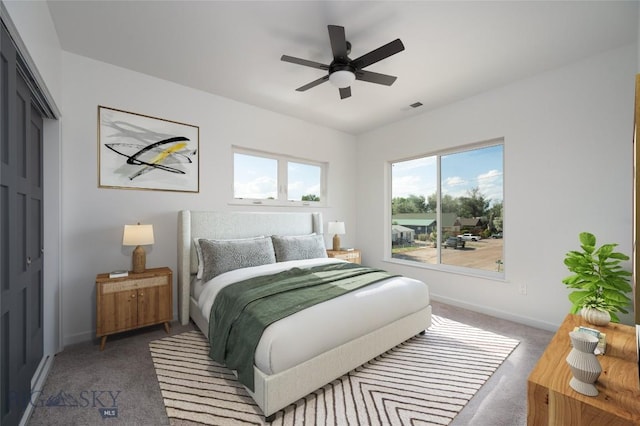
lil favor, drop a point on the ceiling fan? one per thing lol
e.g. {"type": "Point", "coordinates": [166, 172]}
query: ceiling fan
{"type": "Point", "coordinates": [344, 71]}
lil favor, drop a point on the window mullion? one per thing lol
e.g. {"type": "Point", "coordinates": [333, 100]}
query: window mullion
{"type": "Point", "coordinates": [283, 180]}
{"type": "Point", "coordinates": [438, 212]}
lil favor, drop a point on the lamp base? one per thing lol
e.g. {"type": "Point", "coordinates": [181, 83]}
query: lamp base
{"type": "Point", "coordinates": [336, 242]}
{"type": "Point", "coordinates": [139, 260]}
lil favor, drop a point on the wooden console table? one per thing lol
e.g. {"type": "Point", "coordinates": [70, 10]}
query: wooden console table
{"type": "Point", "coordinates": [550, 399]}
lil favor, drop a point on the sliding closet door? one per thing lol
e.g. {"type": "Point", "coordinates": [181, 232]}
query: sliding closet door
{"type": "Point", "coordinates": [21, 235]}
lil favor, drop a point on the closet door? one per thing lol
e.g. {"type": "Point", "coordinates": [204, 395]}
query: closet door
{"type": "Point", "coordinates": [21, 235]}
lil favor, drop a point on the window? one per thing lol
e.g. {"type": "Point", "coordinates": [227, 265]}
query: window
{"type": "Point", "coordinates": [264, 178]}
{"type": "Point", "coordinates": [447, 209]}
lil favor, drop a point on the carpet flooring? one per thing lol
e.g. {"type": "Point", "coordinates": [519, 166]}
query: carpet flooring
{"type": "Point", "coordinates": [427, 380]}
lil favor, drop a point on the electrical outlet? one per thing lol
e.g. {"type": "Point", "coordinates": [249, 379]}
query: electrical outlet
{"type": "Point", "coordinates": [523, 288]}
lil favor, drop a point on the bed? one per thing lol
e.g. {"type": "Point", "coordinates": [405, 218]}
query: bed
{"type": "Point", "coordinates": [331, 351]}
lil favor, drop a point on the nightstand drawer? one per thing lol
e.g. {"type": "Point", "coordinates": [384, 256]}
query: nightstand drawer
{"type": "Point", "coordinates": [352, 256]}
{"type": "Point", "coordinates": [133, 284]}
{"type": "Point", "coordinates": [349, 256]}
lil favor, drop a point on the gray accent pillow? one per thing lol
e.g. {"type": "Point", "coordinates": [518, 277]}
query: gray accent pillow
{"type": "Point", "coordinates": [221, 256]}
{"type": "Point", "coordinates": [298, 247]}
{"type": "Point", "coordinates": [196, 243]}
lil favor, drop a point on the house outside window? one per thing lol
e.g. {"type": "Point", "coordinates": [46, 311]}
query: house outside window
{"type": "Point", "coordinates": [447, 209]}
{"type": "Point", "coordinates": [274, 179]}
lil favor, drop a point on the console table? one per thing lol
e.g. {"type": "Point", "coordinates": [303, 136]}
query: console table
{"type": "Point", "coordinates": [550, 400]}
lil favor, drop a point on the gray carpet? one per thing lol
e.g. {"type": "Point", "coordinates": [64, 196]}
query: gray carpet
{"type": "Point", "coordinates": [126, 366]}
{"type": "Point", "coordinates": [426, 380]}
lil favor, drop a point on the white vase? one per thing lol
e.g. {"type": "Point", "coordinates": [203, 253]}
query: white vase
{"type": "Point", "coordinates": [585, 366]}
{"type": "Point", "coordinates": [595, 316]}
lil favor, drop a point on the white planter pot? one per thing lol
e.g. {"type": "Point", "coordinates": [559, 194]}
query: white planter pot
{"type": "Point", "coordinates": [595, 316]}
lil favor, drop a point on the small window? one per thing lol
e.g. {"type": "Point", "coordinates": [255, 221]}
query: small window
{"type": "Point", "coordinates": [303, 182]}
{"type": "Point", "coordinates": [265, 178]}
{"type": "Point", "coordinates": [255, 177]}
{"type": "Point", "coordinates": [447, 209]}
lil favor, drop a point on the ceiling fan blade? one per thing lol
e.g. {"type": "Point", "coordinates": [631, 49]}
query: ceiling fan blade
{"type": "Point", "coordinates": [314, 83]}
{"type": "Point", "coordinates": [374, 77]}
{"type": "Point", "coordinates": [345, 92]}
{"type": "Point", "coordinates": [378, 54]}
{"type": "Point", "coordinates": [304, 62]}
{"type": "Point", "coordinates": [338, 41]}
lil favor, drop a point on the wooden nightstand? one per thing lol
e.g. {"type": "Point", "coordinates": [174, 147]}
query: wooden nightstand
{"type": "Point", "coordinates": [352, 256]}
{"type": "Point", "coordinates": [134, 301]}
{"type": "Point", "coordinates": [550, 399]}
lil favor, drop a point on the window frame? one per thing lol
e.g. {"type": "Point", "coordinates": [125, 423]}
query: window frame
{"type": "Point", "coordinates": [282, 179]}
{"type": "Point", "coordinates": [456, 269]}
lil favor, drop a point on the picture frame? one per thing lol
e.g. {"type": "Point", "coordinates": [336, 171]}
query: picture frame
{"type": "Point", "coordinates": [137, 151]}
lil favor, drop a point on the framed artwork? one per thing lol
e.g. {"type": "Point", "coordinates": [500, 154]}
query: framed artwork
{"type": "Point", "coordinates": [137, 151]}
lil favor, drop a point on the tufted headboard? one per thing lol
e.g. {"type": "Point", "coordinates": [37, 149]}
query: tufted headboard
{"type": "Point", "coordinates": [226, 225]}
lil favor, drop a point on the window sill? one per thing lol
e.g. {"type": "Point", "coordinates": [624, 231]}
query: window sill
{"type": "Point", "coordinates": [276, 203]}
{"type": "Point", "coordinates": [459, 270]}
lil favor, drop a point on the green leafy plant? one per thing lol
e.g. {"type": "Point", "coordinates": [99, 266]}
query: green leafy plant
{"type": "Point", "coordinates": [599, 279]}
{"type": "Point", "coordinates": [596, 302]}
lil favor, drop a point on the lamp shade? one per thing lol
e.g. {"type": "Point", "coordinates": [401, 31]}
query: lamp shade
{"type": "Point", "coordinates": [342, 78]}
{"type": "Point", "coordinates": [137, 235]}
{"type": "Point", "coordinates": [336, 228]}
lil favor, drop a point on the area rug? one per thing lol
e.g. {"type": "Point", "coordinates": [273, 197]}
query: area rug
{"type": "Point", "coordinates": [426, 380]}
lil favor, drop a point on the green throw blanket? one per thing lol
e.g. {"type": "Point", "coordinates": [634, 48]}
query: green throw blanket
{"type": "Point", "coordinates": [243, 310]}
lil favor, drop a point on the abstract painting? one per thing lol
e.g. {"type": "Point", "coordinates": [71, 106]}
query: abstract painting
{"type": "Point", "coordinates": [137, 151]}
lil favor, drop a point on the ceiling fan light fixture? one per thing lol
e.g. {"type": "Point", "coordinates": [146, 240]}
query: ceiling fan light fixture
{"type": "Point", "coordinates": [342, 78]}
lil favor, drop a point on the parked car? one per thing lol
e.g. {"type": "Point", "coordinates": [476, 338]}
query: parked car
{"type": "Point", "coordinates": [455, 242]}
{"type": "Point", "coordinates": [470, 237]}
{"type": "Point", "coordinates": [497, 235]}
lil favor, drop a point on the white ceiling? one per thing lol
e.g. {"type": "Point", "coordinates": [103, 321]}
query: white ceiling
{"type": "Point", "coordinates": [453, 49]}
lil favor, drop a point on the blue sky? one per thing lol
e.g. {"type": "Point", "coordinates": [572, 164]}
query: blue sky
{"type": "Point", "coordinates": [482, 168]}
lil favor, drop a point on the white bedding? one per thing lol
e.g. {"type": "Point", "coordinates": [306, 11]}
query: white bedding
{"type": "Point", "coordinates": [302, 336]}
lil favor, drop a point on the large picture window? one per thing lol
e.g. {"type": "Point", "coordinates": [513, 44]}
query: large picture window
{"type": "Point", "coordinates": [447, 209]}
{"type": "Point", "coordinates": [265, 178]}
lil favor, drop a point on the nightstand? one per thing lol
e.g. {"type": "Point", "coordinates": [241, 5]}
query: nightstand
{"type": "Point", "coordinates": [352, 256]}
{"type": "Point", "coordinates": [134, 301]}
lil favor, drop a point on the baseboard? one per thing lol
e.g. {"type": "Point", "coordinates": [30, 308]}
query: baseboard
{"type": "Point", "coordinates": [37, 384]}
{"type": "Point", "coordinates": [83, 337]}
{"type": "Point", "coordinates": [532, 322]}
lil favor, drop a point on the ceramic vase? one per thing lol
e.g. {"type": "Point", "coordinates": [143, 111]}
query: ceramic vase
{"type": "Point", "coordinates": [595, 316]}
{"type": "Point", "coordinates": [585, 366]}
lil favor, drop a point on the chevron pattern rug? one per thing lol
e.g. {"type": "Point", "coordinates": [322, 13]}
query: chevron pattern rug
{"type": "Point", "coordinates": [426, 380]}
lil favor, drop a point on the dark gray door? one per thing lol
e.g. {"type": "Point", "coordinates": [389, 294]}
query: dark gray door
{"type": "Point", "coordinates": [21, 235]}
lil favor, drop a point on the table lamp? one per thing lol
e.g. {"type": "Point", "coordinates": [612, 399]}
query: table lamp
{"type": "Point", "coordinates": [138, 235]}
{"type": "Point", "coordinates": [336, 228]}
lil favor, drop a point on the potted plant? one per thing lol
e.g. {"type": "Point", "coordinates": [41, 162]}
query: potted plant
{"type": "Point", "coordinates": [600, 282]}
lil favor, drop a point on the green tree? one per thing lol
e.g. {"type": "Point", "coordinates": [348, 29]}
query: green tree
{"type": "Point", "coordinates": [410, 204]}
{"type": "Point", "coordinates": [474, 204]}
{"type": "Point", "coordinates": [310, 197]}
{"type": "Point", "coordinates": [449, 204]}
{"type": "Point", "coordinates": [495, 217]}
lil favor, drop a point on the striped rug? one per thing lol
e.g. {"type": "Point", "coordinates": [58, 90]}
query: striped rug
{"type": "Point", "coordinates": [426, 380]}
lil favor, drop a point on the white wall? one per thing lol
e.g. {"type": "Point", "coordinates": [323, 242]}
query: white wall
{"type": "Point", "coordinates": [568, 168]}
{"type": "Point", "coordinates": [93, 217]}
{"type": "Point", "coordinates": [37, 32]}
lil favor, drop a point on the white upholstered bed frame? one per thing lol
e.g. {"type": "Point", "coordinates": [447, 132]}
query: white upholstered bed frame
{"type": "Point", "coordinates": [274, 392]}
